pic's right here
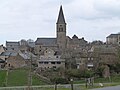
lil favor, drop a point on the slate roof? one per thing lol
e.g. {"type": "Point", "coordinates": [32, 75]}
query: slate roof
{"type": "Point", "coordinates": [31, 44]}
{"type": "Point", "coordinates": [12, 43]}
{"type": "Point", "coordinates": [46, 41]}
{"type": "Point", "coordinates": [105, 49]}
{"type": "Point", "coordinates": [61, 19]}
{"type": "Point", "coordinates": [8, 54]}
{"type": "Point", "coordinates": [2, 61]}
{"type": "Point", "coordinates": [113, 36]}
{"type": "Point", "coordinates": [74, 37]}
{"type": "Point", "coordinates": [57, 53]}
{"type": "Point", "coordinates": [27, 55]}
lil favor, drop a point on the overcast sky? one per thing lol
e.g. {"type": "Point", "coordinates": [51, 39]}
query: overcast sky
{"type": "Point", "coordinates": [25, 19]}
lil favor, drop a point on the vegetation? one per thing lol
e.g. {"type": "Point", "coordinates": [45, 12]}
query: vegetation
{"type": "Point", "coordinates": [37, 81]}
{"type": "Point", "coordinates": [18, 77]}
{"type": "Point", "coordinates": [76, 73]}
{"type": "Point", "coordinates": [2, 77]}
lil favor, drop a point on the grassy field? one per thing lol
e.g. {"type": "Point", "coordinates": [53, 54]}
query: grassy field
{"type": "Point", "coordinates": [37, 81]}
{"type": "Point", "coordinates": [113, 79]}
{"type": "Point", "coordinates": [18, 77]}
{"type": "Point", "coordinates": [2, 77]}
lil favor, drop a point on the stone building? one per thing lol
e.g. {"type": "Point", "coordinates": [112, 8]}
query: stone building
{"type": "Point", "coordinates": [15, 61]}
{"type": "Point", "coordinates": [113, 39]}
{"type": "Point", "coordinates": [50, 59]}
{"type": "Point", "coordinates": [12, 46]}
{"type": "Point", "coordinates": [107, 53]}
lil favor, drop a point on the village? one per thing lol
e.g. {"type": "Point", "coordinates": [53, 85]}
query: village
{"type": "Point", "coordinates": [69, 57]}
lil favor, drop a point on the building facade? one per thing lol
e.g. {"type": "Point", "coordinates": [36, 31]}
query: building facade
{"type": "Point", "coordinates": [113, 39]}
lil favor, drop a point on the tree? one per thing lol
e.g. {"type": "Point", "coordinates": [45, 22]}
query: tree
{"type": "Point", "coordinates": [99, 71]}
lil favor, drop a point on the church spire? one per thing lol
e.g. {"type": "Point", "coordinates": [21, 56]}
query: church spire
{"type": "Point", "coordinates": [61, 19]}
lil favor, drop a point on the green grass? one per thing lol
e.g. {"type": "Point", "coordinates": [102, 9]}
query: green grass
{"type": "Point", "coordinates": [2, 77]}
{"type": "Point", "coordinates": [79, 81]}
{"type": "Point", "coordinates": [17, 78]}
{"type": "Point", "coordinates": [115, 78]}
{"type": "Point", "coordinates": [37, 81]}
{"type": "Point", "coordinates": [102, 80]}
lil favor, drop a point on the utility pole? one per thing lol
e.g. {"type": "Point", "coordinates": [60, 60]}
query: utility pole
{"type": "Point", "coordinates": [71, 84]}
{"type": "Point", "coordinates": [30, 75]}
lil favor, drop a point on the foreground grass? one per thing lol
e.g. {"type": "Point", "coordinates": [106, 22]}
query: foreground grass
{"type": "Point", "coordinates": [2, 77]}
{"type": "Point", "coordinates": [19, 77]}
{"type": "Point", "coordinates": [37, 81]}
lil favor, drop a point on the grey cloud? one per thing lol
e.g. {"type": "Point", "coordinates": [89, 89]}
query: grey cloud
{"type": "Point", "coordinates": [108, 8]}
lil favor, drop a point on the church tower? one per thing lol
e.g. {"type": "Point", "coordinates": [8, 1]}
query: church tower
{"type": "Point", "coordinates": [61, 30]}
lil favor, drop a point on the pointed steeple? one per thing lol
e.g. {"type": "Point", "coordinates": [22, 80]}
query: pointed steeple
{"type": "Point", "coordinates": [61, 19]}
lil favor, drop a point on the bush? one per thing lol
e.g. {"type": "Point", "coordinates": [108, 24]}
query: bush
{"type": "Point", "coordinates": [59, 80]}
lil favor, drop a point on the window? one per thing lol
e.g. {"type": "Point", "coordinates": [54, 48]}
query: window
{"type": "Point", "coordinates": [54, 66]}
{"type": "Point", "coordinates": [8, 65]}
{"type": "Point", "coordinates": [45, 62]}
{"type": "Point", "coordinates": [40, 62]}
{"type": "Point", "coordinates": [52, 62]}
{"type": "Point", "coordinates": [58, 62]}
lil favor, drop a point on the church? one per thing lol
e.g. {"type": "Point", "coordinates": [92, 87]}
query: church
{"type": "Point", "coordinates": [61, 42]}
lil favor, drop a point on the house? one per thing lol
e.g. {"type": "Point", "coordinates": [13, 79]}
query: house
{"type": "Point", "coordinates": [28, 57]}
{"type": "Point", "coordinates": [50, 59]}
{"type": "Point", "coordinates": [12, 46]}
{"type": "Point", "coordinates": [113, 39]}
{"type": "Point", "coordinates": [15, 61]}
